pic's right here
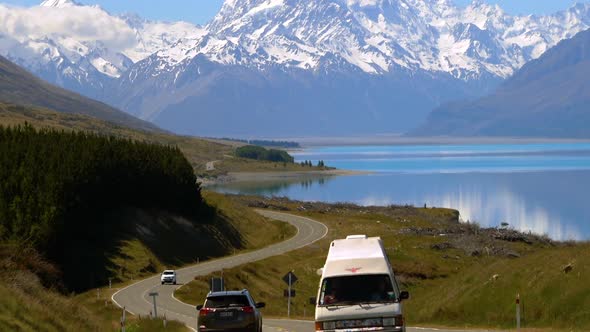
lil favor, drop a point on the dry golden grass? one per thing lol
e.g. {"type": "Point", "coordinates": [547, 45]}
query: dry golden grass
{"type": "Point", "coordinates": [452, 286]}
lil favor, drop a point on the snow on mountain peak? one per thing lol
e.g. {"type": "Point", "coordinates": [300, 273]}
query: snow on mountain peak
{"type": "Point", "coordinates": [59, 3]}
{"type": "Point", "coordinates": [375, 36]}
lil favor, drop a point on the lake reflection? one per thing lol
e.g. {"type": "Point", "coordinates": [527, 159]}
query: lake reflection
{"type": "Point", "coordinates": [544, 194]}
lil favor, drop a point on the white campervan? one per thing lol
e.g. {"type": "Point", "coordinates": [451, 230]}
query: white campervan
{"type": "Point", "coordinates": [358, 290]}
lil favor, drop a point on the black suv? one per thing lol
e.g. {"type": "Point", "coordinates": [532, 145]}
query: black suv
{"type": "Point", "coordinates": [230, 311]}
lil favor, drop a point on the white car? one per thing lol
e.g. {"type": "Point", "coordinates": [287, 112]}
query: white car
{"type": "Point", "coordinates": [168, 277]}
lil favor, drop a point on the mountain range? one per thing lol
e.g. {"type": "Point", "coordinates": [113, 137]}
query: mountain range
{"type": "Point", "coordinates": [286, 67]}
{"type": "Point", "coordinates": [548, 97]}
{"type": "Point", "coordinates": [19, 87]}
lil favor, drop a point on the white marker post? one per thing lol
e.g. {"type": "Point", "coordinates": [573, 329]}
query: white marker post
{"type": "Point", "coordinates": [518, 311]}
{"type": "Point", "coordinates": [154, 295]}
{"type": "Point", "coordinates": [123, 321]}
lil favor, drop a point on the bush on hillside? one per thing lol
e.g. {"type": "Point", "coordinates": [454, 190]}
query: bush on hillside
{"type": "Point", "coordinates": [260, 153]}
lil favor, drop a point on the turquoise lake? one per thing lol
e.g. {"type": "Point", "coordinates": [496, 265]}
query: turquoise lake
{"type": "Point", "coordinates": [542, 188]}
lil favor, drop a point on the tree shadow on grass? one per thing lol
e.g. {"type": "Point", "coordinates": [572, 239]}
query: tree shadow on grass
{"type": "Point", "coordinates": [85, 256]}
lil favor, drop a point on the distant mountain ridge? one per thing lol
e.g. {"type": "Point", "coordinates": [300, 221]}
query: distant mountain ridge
{"type": "Point", "coordinates": [286, 67]}
{"type": "Point", "coordinates": [17, 86]}
{"type": "Point", "coordinates": [548, 97]}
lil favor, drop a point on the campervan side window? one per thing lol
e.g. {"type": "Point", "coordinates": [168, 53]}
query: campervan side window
{"type": "Point", "coordinates": [344, 290]}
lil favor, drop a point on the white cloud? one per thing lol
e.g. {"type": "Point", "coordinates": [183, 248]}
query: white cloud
{"type": "Point", "coordinates": [82, 23]}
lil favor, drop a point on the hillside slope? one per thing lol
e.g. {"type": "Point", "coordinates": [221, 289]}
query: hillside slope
{"type": "Point", "coordinates": [458, 274]}
{"type": "Point", "coordinates": [78, 210]}
{"type": "Point", "coordinates": [24, 299]}
{"type": "Point", "coordinates": [198, 151]}
{"type": "Point", "coordinates": [18, 86]}
{"type": "Point", "coordinates": [548, 97]}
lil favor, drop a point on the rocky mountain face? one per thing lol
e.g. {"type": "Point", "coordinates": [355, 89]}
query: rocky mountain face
{"type": "Point", "coordinates": [548, 97]}
{"type": "Point", "coordinates": [291, 67]}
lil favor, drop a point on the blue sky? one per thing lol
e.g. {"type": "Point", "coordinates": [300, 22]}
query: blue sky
{"type": "Point", "coordinates": [201, 11]}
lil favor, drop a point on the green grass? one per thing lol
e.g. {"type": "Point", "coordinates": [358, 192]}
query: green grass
{"type": "Point", "coordinates": [147, 249]}
{"type": "Point", "coordinates": [27, 306]}
{"type": "Point", "coordinates": [551, 297]}
{"type": "Point", "coordinates": [100, 305]}
{"type": "Point", "coordinates": [264, 278]}
{"type": "Point", "coordinates": [449, 287]}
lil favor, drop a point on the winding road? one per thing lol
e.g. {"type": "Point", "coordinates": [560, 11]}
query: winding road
{"type": "Point", "coordinates": [136, 300]}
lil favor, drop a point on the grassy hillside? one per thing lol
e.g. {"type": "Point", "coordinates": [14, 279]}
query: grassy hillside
{"type": "Point", "coordinates": [198, 151]}
{"type": "Point", "coordinates": [552, 295]}
{"type": "Point", "coordinates": [24, 300]}
{"type": "Point", "coordinates": [458, 274]}
{"type": "Point", "coordinates": [146, 249]}
{"type": "Point", "coordinates": [18, 86]}
{"type": "Point", "coordinates": [78, 209]}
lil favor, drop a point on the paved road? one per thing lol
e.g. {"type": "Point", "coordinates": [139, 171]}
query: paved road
{"type": "Point", "coordinates": [136, 300]}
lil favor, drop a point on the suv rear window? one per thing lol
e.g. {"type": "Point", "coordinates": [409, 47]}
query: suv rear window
{"type": "Point", "coordinates": [168, 272]}
{"type": "Point", "coordinates": [227, 301]}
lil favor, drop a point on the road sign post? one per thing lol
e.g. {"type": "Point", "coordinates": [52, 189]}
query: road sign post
{"type": "Point", "coordinates": [289, 278]}
{"type": "Point", "coordinates": [518, 311]}
{"type": "Point", "coordinates": [217, 284]}
{"type": "Point", "coordinates": [154, 295]}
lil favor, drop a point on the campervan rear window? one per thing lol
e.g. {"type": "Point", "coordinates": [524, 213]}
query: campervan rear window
{"type": "Point", "coordinates": [344, 290]}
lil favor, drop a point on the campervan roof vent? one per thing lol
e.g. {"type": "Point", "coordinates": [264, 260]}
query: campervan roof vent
{"type": "Point", "coordinates": [353, 237]}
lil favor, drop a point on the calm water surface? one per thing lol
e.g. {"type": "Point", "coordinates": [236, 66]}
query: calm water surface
{"type": "Point", "coordinates": [543, 188]}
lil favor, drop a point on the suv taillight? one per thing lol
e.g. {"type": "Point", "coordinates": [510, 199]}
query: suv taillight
{"type": "Point", "coordinates": [248, 310]}
{"type": "Point", "coordinates": [206, 311]}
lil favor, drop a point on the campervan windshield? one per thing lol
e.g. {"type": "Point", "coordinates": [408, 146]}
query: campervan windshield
{"type": "Point", "coordinates": [347, 290]}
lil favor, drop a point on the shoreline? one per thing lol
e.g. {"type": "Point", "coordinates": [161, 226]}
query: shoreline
{"type": "Point", "coordinates": [380, 140]}
{"type": "Point", "coordinates": [237, 177]}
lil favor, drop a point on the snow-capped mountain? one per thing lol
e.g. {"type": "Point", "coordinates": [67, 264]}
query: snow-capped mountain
{"type": "Point", "coordinates": [59, 3]}
{"type": "Point", "coordinates": [378, 36]}
{"type": "Point", "coordinates": [82, 48]}
{"type": "Point", "coordinates": [547, 97]}
{"type": "Point", "coordinates": [394, 59]}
